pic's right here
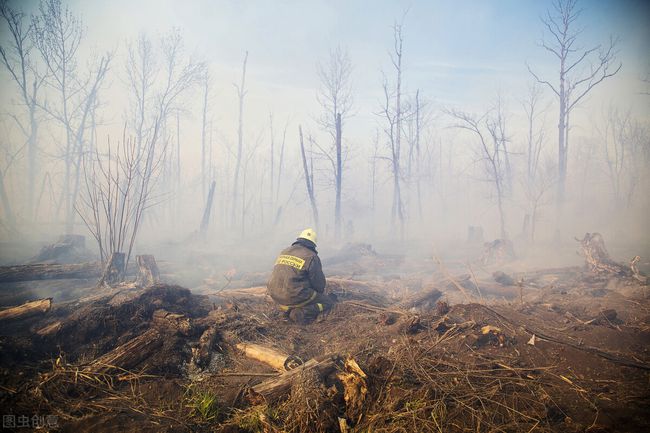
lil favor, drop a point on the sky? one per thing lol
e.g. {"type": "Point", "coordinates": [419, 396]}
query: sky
{"type": "Point", "coordinates": [456, 53]}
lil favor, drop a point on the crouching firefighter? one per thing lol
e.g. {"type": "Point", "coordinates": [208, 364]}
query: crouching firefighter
{"type": "Point", "coordinates": [297, 283]}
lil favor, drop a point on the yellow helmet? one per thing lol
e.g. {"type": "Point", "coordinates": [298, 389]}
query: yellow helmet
{"type": "Point", "coordinates": [308, 234]}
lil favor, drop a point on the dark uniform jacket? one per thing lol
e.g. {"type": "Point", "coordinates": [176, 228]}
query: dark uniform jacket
{"type": "Point", "coordinates": [297, 275]}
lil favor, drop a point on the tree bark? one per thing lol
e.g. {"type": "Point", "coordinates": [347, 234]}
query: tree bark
{"type": "Point", "coordinates": [339, 177]}
{"type": "Point", "coordinates": [129, 354]}
{"type": "Point", "coordinates": [148, 273]}
{"type": "Point", "coordinates": [41, 271]}
{"type": "Point", "coordinates": [115, 270]}
{"type": "Point", "coordinates": [240, 137]}
{"type": "Point", "coordinates": [276, 359]}
{"type": "Point", "coordinates": [308, 179]}
{"type": "Point", "coordinates": [274, 389]}
{"type": "Point", "coordinates": [205, 222]}
{"type": "Point", "coordinates": [28, 309]}
{"type": "Point", "coordinates": [201, 354]}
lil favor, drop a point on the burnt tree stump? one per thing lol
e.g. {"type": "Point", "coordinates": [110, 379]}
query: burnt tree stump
{"type": "Point", "coordinates": [148, 273]}
{"type": "Point", "coordinates": [115, 270]}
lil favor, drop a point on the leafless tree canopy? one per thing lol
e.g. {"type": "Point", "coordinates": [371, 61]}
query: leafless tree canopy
{"type": "Point", "coordinates": [580, 70]}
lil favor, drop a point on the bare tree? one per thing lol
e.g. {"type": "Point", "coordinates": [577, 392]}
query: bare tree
{"type": "Point", "coordinates": [118, 187]}
{"type": "Point", "coordinates": [393, 114]}
{"type": "Point", "coordinates": [488, 129]}
{"type": "Point", "coordinates": [141, 74]}
{"type": "Point", "coordinates": [580, 71]}
{"type": "Point", "coordinates": [8, 159]}
{"type": "Point", "coordinates": [158, 76]}
{"type": "Point", "coordinates": [626, 148]}
{"type": "Point", "coordinates": [204, 119]}
{"type": "Point", "coordinates": [309, 179]}
{"type": "Point", "coordinates": [57, 35]}
{"type": "Point", "coordinates": [272, 163]}
{"type": "Point", "coordinates": [17, 57]}
{"type": "Point", "coordinates": [281, 161]}
{"type": "Point", "coordinates": [241, 94]}
{"type": "Point", "coordinates": [536, 192]}
{"type": "Point", "coordinates": [245, 205]}
{"type": "Point", "coordinates": [535, 133]}
{"type": "Point", "coordinates": [335, 97]}
{"type": "Point", "coordinates": [414, 134]}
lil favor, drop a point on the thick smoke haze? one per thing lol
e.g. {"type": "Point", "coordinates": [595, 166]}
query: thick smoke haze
{"type": "Point", "coordinates": [229, 84]}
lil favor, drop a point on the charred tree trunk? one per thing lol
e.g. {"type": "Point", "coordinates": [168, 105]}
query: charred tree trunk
{"type": "Point", "coordinates": [339, 178]}
{"type": "Point", "coordinates": [205, 222]}
{"type": "Point", "coordinates": [206, 88]}
{"type": "Point", "coordinates": [42, 271]}
{"type": "Point", "coordinates": [241, 93]}
{"type": "Point", "coordinates": [129, 354]}
{"type": "Point", "coordinates": [274, 389]}
{"type": "Point", "coordinates": [201, 354]}
{"type": "Point", "coordinates": [309, 180]}
{"type": "Point", "coordinates": [148, 273]}
{"type": "Point", "coordinates": [115, 270]}
{"type": "Point", "coordinates": [6, 204]}
{"type": "Point", "coordinates": [28, 309]}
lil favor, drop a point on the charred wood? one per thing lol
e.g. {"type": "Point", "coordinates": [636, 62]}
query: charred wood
{"type": "Point", "coordinates": [28, 309]}
{"type": "Point", "coordinates": [148, 273]}
{"type": "Point", "coordinates": [276, 388]}
{"type": "Point", "coordinates": [42, 271]}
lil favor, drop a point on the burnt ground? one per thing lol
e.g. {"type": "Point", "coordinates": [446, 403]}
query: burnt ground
{"type": "Point", "coordinates": [461, 359]}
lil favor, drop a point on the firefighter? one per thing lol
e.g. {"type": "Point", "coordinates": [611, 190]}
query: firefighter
{"type": "Point", "coordinates": [297, 282]}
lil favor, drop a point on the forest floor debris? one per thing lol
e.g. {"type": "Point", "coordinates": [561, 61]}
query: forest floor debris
{"type": "Point", "coordinates": [569, 352]}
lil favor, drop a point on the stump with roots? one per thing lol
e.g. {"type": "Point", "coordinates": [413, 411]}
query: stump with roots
{"type": "Point", "coordinates": [115, 270]}
{"type": "Point", "coordinates": [598, 260]}
{"type": "Point", "coordinates": [596, 255]}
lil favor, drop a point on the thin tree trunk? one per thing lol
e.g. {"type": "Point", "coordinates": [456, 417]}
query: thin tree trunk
{"type": "Point", "coordinates": [271, 187]}
{"type": "Point", "coordinates": [240, 137]}
{"type": "Point", "coordinates": [502, 221]}
{"type": "Point", "coordinates": [32, 168]}
{"type": "Point", "coordinates": [203, 126]}
{"type": "Point", "coordinates": [6, 204]}
{"type": "Point", "coordinates": [417, 151]}
{"type": "Point", "coordinates": [308, 180]}
{"type": "Point", "coordinates": [284, 137]}
{"type": "Point", "coordinates": [339, 178]}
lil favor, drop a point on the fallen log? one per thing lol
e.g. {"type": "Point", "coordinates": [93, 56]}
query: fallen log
{"type": "Point", "coordinates": [201, 353]}
{"type": "Point", "coordinates": [276, 359]}
{"type": "Point", "coordinates": [28, 309]}
{"type": "Point", "coordinates": [423, 299]}
{"type": "Point", "coordinates": [254, 292]}
{"type": "Point", "coordinates": [129, 354]}
{"type": "Point", "coordinates": [274, 389]}
{"type": "Point", "coordinates": [43, 271]}
{"type": "Point", "coordinates": [347, 289]}
{"type": "Point", "coordinates": [50, 329]}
